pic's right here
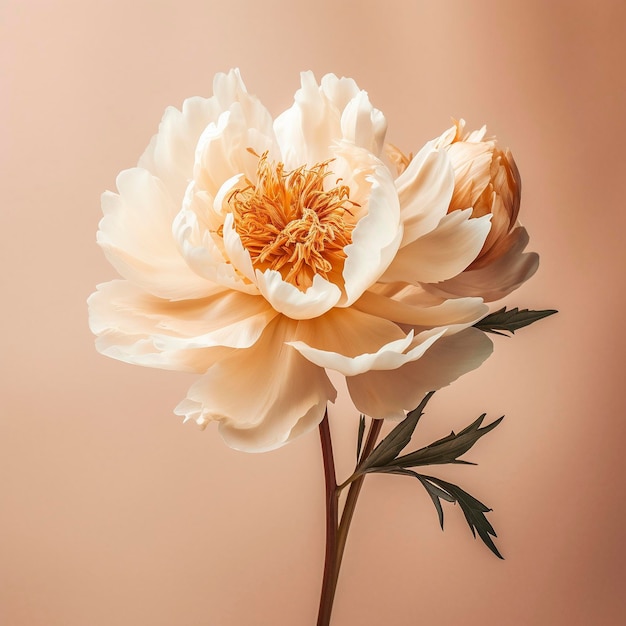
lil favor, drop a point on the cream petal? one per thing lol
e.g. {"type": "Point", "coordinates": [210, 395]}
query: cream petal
{"type": "Point", "coordinates": [195, 229]}
{"type": "Point", "coordinates": [352, 342]}
{"type": "Point", "coordinates": [442, 253]}
{"type": "Point", "coordinates": [237, 254]}
{"type": "Point", "coordinates": [306, 131]}
{"type": "Point", "coordinates": [170, 155]}
{"type": "Point", "coordinates": [136, 236]}
{"type": "Point", "coordinates": [174, 333]}
{"type": "Point", "coordinates": [227, 148]}
{"type": "Point", "coordinates": [323, 115]}
{"type": "Point", "coordinates": [263, 396]}
{"type": "Point", "coordinates": [387, 394]}
{"type": "Point", "coordinates": [364, 125]}
{"type": "Point", "coordinates": [378, 233]}
{"type": "Point", "coordinates": [361, 123]}
{"type": "Point", "coordinates": [424, 189]}
{"type": "Point", "coordinates": [499, 278]}
{"type": "Point", "coordinates": [446, 313]}
{"type": "Point", "coordinates": [472, 164]}
{"type": "Point", "coordinates": [320, 297]}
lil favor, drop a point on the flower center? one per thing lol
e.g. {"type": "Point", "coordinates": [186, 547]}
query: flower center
{"type": "Point", "coordinates": [290, 223]}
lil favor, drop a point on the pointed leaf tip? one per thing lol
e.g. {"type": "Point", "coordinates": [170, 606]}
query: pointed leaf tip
{"type": "Point", "coordinates": [503, 321]}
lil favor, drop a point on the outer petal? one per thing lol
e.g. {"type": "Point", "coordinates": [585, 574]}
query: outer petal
{"type": "Point", "coordinates": [170, 155]}
{"type": "Point", "coordinates": [442, 253]}
{"type": "Point", "coordinates": [498, 279]}
{"type": "Point", "coordinates": [189, 335]}
{"type": "Point", "coordinates": [263, 396]}
{"type": "Point", "coordinates": [471, 163]}
{"type": "Point", "coordinates": [352, 342]}
{"type": "Point", "coordinates": [425, 189]}
{"type": "Point", "coordinates": [387, 394]}
{"type": "Point", "coordinates": [136, 236]}
{"type": "Point", "coordinates": [404, 311]}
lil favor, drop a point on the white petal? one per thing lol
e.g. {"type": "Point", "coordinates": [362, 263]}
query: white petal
{"type": "Point", "coordinates": [136, 236]}
{"type": "Point", "coordinates": [189, 335]}
{"type": "Point", "coordinates": [237, 254]}
{"type": "Point", "coordinates": [323, 115]}
{"type": "Point", "coordinates": [320, 297]}
{"type": "Point", "coordinates": [263, 396]}
{"type": "Point", "coordinates": [442, 253]}
{"type": "Point", "coordinates": [364, 125]}
{"type": "Point", "coordinates": [195, 229]}
{"type": "Point", "coordinates": [170, 155]}
{"type": "Point", "coordinates": [377, 235]}
{"type": "Point", "coordinates": [387, 394]}
{"type": "Point", "coordinates": [499, 278]}
{"type": "Point", "coordinates": [404, 311]}
{"type": "Point", "coordinates": [224, 149]}
{"type": "Point", "coordinates": [352, 342]}
{"type": "Point", "coordinates": [425, 189]}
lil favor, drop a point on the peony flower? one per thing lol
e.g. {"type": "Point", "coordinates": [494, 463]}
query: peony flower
{"type": "Point", "coordinates": [263, 253]}
{"type": "Point", "coordinates": [486, 180]}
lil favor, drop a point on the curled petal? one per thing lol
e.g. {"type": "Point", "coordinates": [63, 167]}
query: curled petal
{"type": "Point", "coordinates": [170, 155]}
{"type": "Point", "coordinates": [424, 190]}
{"type": "Point", "coordinates": [378, 233]}
{"type": "Point", "coordinates": [227, 148]}
{"type": "Point", "coordinates": [195, 230]}
{"type": "Point", "coordinates": [323, 115]}
{"type": "Point", "coordinates": [189, 335]}
{"type": "Point", "coordinates": [136, 236]}
{"type": "Point", "coordinates": [320, 297]}
{"type": "Point", "coordinates": [352, 342]}
{"type": "Point", "coordinates": [388, 394]}
{"type": "Point", "coordinates": [442, 253]}
{"type": "Point", "coordinates": [455, 312]}
{"type": "Point", "coordinates": [363, 125]}
{"type": "Point", "coordinates": [471, 163]}
{"type": "Point", "coordinates": [497, 279]}
{"type": "Point", "coordinates": [263, 396]}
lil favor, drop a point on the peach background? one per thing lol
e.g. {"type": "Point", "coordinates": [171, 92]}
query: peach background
{"type": "Point", "coordinates": [114, 513]}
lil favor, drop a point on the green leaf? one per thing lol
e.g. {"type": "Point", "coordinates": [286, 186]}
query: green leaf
{"type": "Point", "coordinates": [473, 509]}
{"type": "Point", "coordinates": [448, 449]}
{"type": "Point", "coordinates": [389, 448]}
{"type": "Point", "coordinates": [503, 321]}
{"type": "Point", "coordinates": [359, 441]}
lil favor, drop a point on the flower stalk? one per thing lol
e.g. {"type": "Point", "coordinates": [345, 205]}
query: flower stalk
{"type": "Point", "coordinates": [329, 580]}
{"type": "Point", "coordinates": [337, 531]}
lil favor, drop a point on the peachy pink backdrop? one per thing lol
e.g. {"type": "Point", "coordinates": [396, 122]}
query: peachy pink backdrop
{"type": "Point", "coordinates": [112, 512]}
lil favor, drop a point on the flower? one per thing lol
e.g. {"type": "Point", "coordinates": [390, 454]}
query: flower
{"type": "Point", "coordinates": [262, 253]}
{"type": "Point", "coordinates": [486, 180]}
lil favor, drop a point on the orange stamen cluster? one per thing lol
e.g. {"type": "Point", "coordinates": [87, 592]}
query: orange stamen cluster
{"type": "Point", "coordinates": [288, 222]}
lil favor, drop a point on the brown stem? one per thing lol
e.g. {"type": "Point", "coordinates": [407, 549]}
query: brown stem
{"type": "Point", "coordinates": [329, 581]}
{"type": "Point", "coordinates": [351, 499]}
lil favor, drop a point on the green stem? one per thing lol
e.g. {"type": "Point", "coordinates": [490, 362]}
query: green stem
{"type": "Point", "coordinates": [329, 580]}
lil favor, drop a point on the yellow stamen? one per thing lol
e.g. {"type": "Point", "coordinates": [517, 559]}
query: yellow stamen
{"type": "Point", "coordinates": [288, 222]}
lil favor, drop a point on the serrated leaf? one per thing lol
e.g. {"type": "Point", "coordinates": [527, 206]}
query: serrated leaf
{"type": "Point", "coordinates": [510, 321]}
{"type": "Point", "coordinates": [448, 449]}
{"type": "Point", "coordinates": [389, 448]}
{"type": "Point", "coordinates": [359, 441]}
